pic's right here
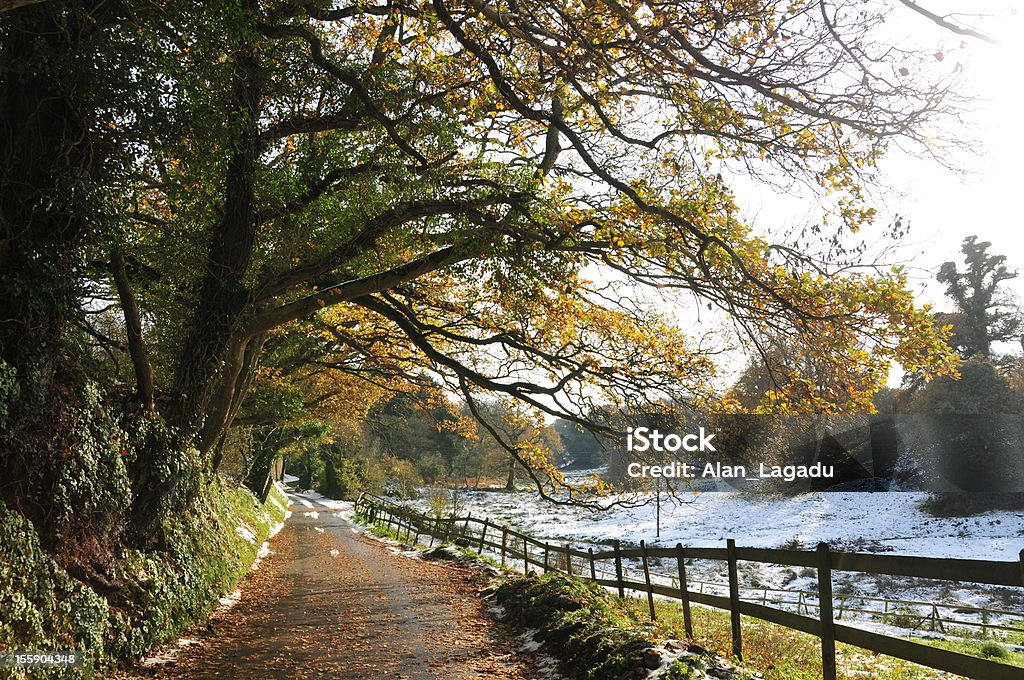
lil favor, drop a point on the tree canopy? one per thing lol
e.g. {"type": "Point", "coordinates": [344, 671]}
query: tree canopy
{"type": "Point", "coordinates": [509, 195]}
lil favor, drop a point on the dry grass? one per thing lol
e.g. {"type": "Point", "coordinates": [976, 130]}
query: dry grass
{"type": "Point", "coordinates": [777, 652]}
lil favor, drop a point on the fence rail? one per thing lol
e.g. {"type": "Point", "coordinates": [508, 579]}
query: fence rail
{"type": "Point", "coordinates": [511, 545]}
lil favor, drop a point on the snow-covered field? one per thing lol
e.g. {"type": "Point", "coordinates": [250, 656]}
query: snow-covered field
{"type": "Point", "coordinates": [867, 522]}
{"type": "Point", "coordinates": [885, 522]}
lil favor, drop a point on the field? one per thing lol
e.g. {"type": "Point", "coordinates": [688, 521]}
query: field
{"type": "Point", "coordinates": [859, 522]}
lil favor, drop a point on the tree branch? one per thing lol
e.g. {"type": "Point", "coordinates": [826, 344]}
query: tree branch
{"type": "Point", "coordinates": [949, 25]}
{"type": "Point", "coordinates": [144, 387]}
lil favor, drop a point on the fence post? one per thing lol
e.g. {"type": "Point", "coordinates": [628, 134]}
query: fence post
{"type": "Point", "coordinates": [1021, 567]}
{"type": "Point", "coordinates": [546, 550]}
{"type": "Point", "coordinates": [828, 631]}
{"type": "Point", "coordinates": [734, 600]}
{"type": "Point", "coordinates": [568, 560]}
{"type": "Point", "coordinates": [483, 536]}
{"type": "Point", "coordinates": [504, 543]}
{"type": "Point", "coordinates": [647, 580]}
{"type": "Point", "coordinates": [618, 567]}
{"type": "Point", "coordinates": [684, 593]}
{"type": "Point", "coordinates": [936, 620]}
{"type": "Point", "coordinates": [593, 570]}
{"type": "Point", "coordinates": [465, 526]}
{"type": "Point", "coordinates": [435, 528]}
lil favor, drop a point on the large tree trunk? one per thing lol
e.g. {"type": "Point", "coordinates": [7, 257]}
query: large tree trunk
{"type": "Point", "coordinates": [45, 153]}
{"type": "Point", "coordinates": [47, 161]}
{"type": "Point", "coordinates": [208, 369]}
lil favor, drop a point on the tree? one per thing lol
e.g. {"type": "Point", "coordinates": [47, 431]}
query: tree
{"type": "Point", "coordinates": [432, 184]}
{"type": "Point", "coordinates": [985, 313]}
{"type": "Point", "coordinates": [583, 449]}
{"type": "Point", "coordinates": [968, 434]}
{"type": "Point", "coordinates": [517, 437]}
{"type": "Point", "coordinates": [420, 425]}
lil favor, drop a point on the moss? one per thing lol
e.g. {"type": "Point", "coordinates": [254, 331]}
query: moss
{"type": "Point", "coordinates": [161, 593]}
{"type": "Point", "coordinates": [596, 638]}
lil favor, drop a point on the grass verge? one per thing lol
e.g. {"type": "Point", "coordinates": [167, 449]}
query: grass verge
{"type": "Point", "coordinates": [157, 595]}
{"type": "Point", "coordinates": [780, 653]}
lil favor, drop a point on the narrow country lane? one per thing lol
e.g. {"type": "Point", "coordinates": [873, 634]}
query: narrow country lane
{"type": "Point", "coordinates": [330, 603]}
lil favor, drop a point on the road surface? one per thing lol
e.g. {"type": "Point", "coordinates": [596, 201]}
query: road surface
{"type": "Point", "coordinates": [328, 602]}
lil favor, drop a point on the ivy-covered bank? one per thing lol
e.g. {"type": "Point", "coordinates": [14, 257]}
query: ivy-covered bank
{"type": "Point", "coordinates": [155, 594]}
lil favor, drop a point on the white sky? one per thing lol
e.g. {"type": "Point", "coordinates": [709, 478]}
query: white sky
{"type": "Point", "coordinates": [982, 195]}
{"type": "Point", "coordinates": [943, 207]}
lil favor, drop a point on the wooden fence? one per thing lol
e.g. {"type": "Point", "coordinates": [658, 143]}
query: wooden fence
{"type": "Point", "coordinates": [513, 546]}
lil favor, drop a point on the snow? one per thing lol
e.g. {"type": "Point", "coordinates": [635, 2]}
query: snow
{"type": "Point", "coordinates": [277, 503]}
{"type": "Point", "coordinates": [230, 600]}
{"type": "Point", "coordinates": [334, 505]}
{"type": "Point", "coordinates": [884, 522]}
{"type": "Point", "coordinates": [866, 522]}
{"type": "Point", "coordinates": [169, 656]}
{"type": "Point", "coordinates": [246, 533]}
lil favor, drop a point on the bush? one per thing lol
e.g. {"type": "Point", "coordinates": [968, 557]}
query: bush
{"type": "Point", "coordinates": [41, 607]}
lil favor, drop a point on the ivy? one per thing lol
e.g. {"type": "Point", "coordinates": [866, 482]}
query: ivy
{"type": "Point", "coordinates": [161, 593]}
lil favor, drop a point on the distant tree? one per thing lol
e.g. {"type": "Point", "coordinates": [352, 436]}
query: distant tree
{"type": "Point", "coordinates": [509, 432]}
{"type": "Point", "coordinates": [985, 313]}
{"type": "Point", "coordinates": [422, 427]}
{"type": "Point", "coordinates": [968, 430]}
{"type": "Point", "coordinates": [980, 390]}
{"type": "Point", "coordinates": [583, 449]}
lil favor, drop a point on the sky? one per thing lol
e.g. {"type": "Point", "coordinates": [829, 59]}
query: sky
{"type": "Point", "coordinates": [976, 191]}
{"type": "Point", "coordinates": [945, 206]}
{"type": "Point", "coordinates": [980, 194]}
